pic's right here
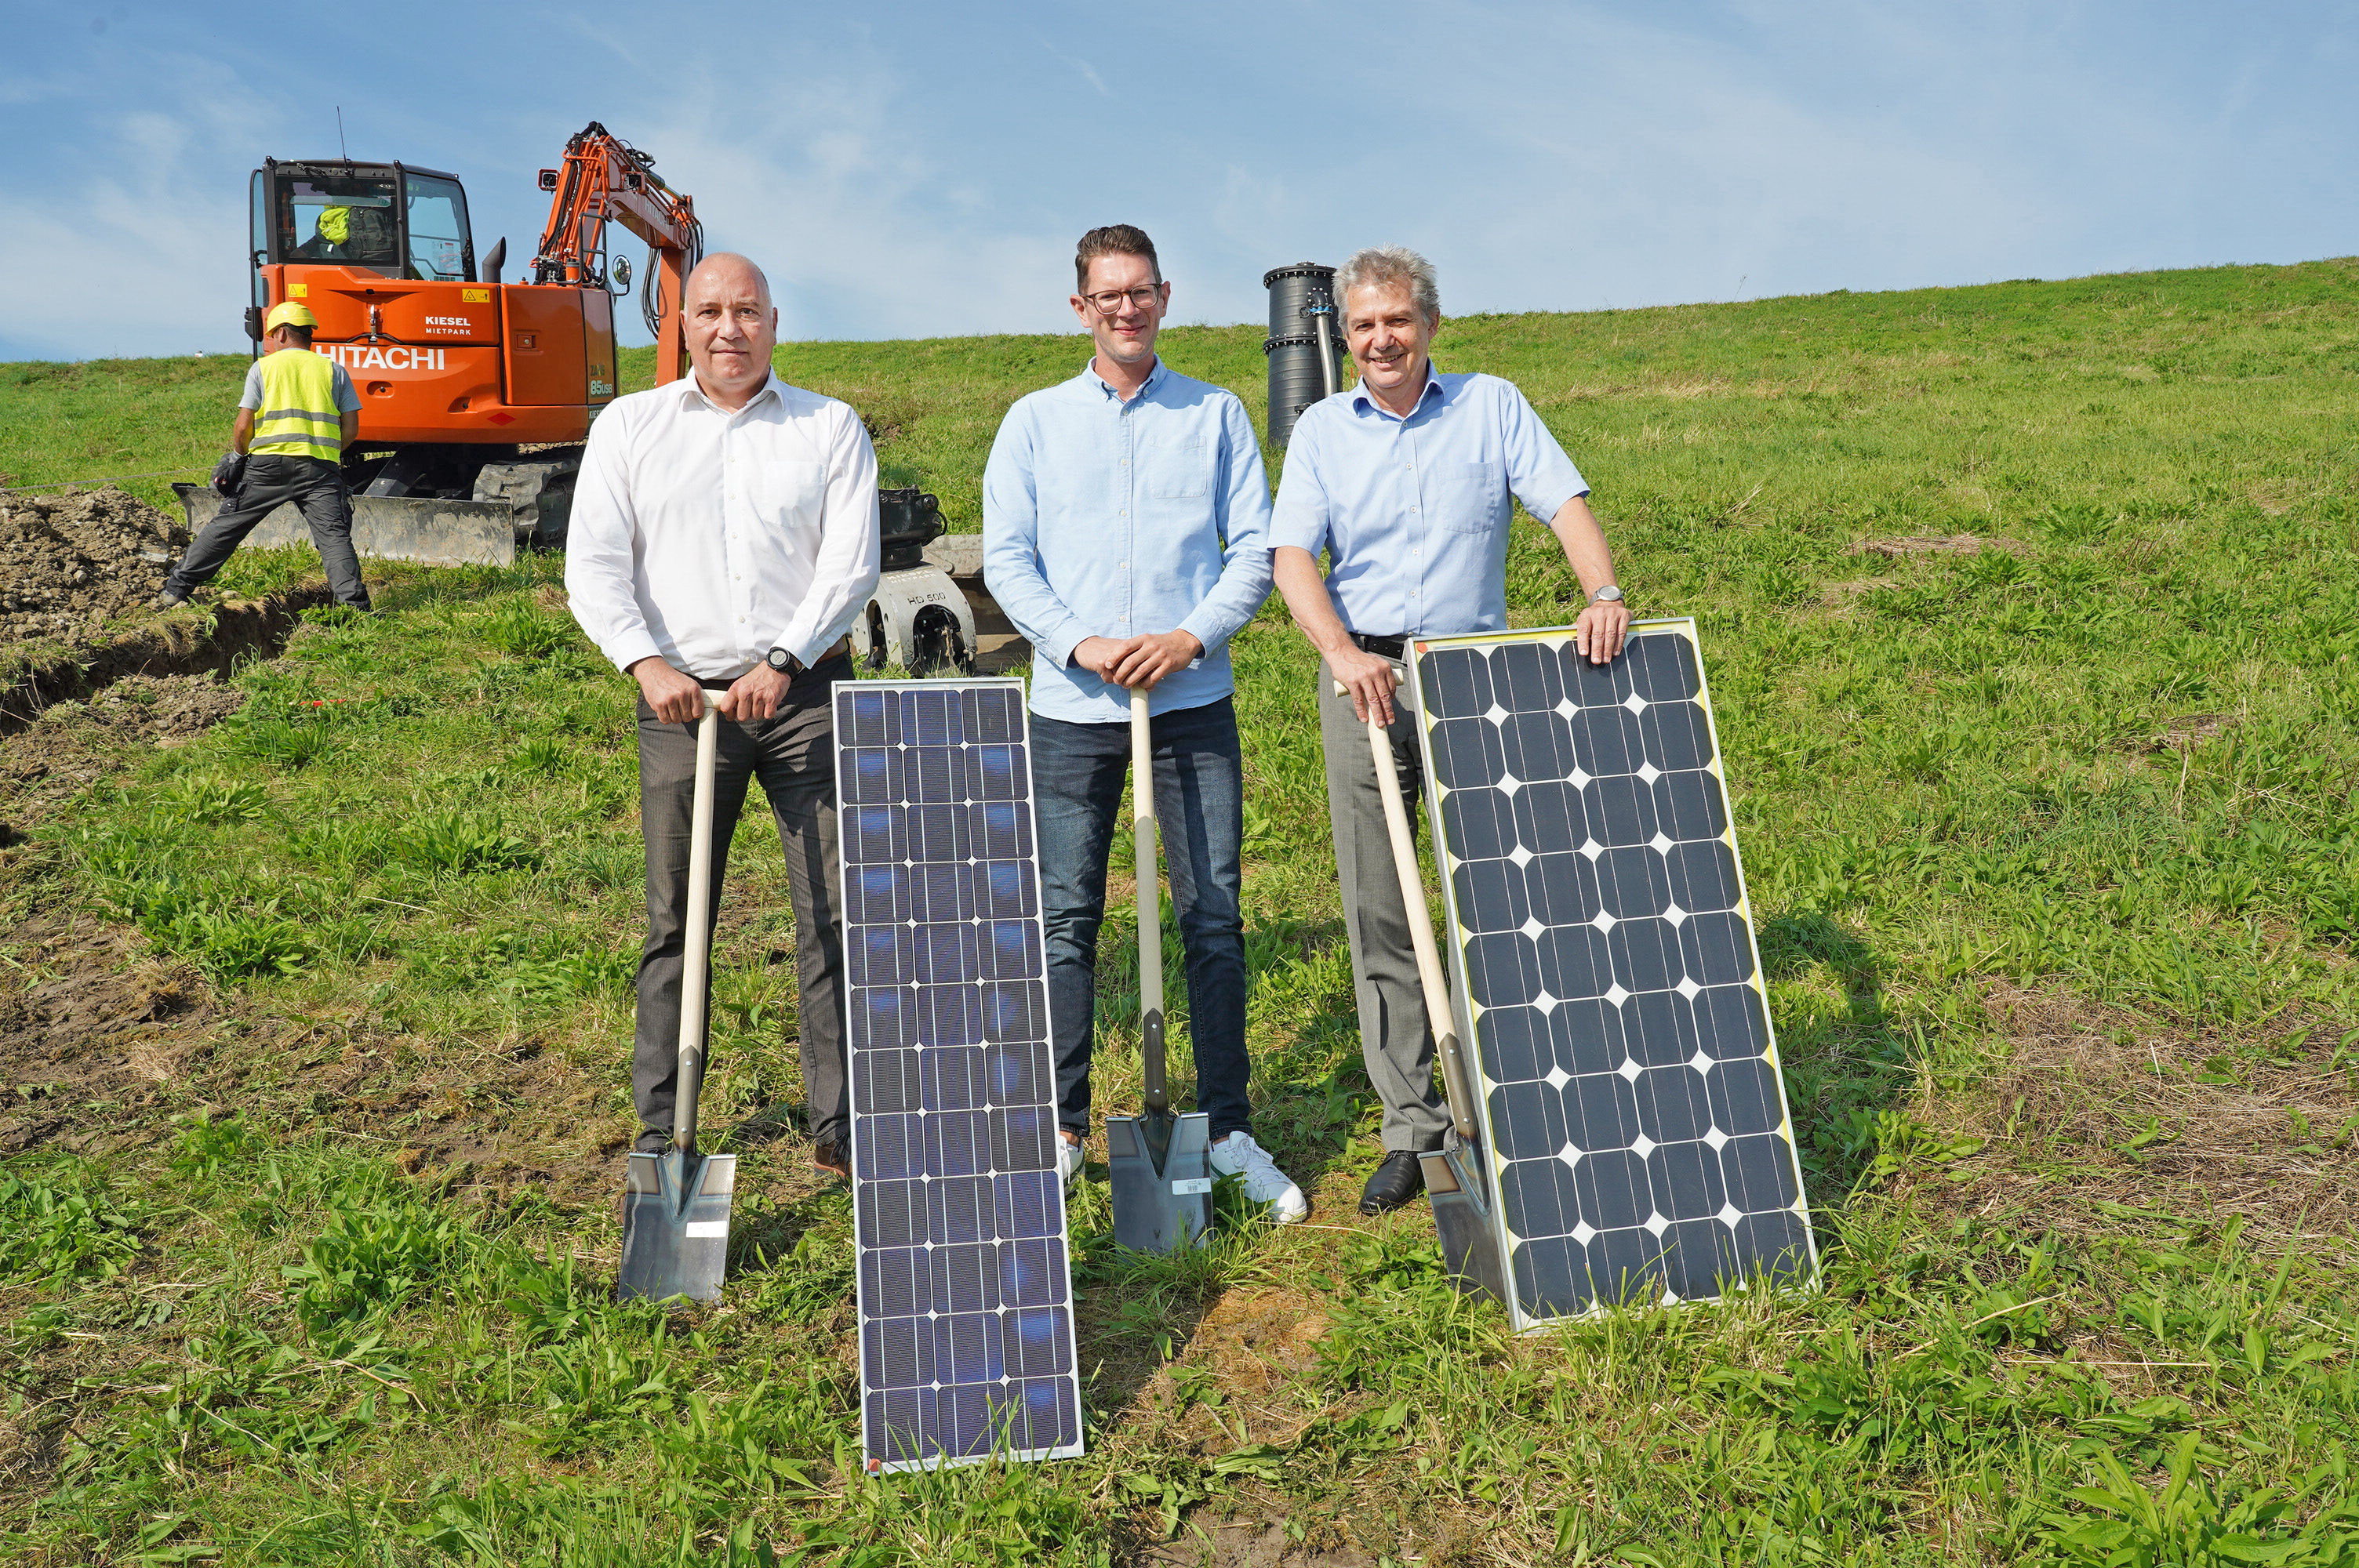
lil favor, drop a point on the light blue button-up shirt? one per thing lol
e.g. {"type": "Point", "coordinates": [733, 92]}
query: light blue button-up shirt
{"type": "Point", "coordinates": [1103, 518]}
{"type": "Point", "coordinates": [1413, 513]}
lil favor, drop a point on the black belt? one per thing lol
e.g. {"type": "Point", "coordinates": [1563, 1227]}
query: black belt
{"type": "Point", "coordinates": [1393, 648]}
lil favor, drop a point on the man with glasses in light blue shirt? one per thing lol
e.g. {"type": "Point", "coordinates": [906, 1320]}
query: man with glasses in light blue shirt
{"type": "Point", "coordinates": [1407, 482]}
{"type": "Point", "coordinates": [1125, 532]}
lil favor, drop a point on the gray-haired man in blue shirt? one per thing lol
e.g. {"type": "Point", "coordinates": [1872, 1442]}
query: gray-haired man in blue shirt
{"type": "Point", "coordinates": [1125, 524]}
{"type": "Point", "coordinates": [1407, 482]}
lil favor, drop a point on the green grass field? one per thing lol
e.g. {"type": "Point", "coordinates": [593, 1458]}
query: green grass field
{"type": "Point", "coordinates": [2030, 610]}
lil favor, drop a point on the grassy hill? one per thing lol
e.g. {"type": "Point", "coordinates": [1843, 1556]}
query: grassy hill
{"type": "Point", "coordinates": [2030, 610]}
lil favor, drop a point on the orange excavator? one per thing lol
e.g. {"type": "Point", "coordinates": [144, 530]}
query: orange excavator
{"type": "Point", "coordinates": [475, 393]}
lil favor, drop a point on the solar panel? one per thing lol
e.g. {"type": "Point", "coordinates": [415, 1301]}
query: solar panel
{"type": "Point", "coordinates": [966, 1287]}
{"type": "Point", "coordinates": [1631, 1101]}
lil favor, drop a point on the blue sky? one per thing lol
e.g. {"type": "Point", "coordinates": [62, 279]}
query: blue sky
{"type": "Point", "coordinates": [908, 169]}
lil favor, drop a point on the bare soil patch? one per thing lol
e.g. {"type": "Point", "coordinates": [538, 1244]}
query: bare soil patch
{"type": "Point", "coordinates": [1261, 1341]}
{"type": "Point", "coordinates": [2190, 730]}
{"type": "Point", "coordinates": [101, 1039]}
{"type": "Point", "coordinates": [92, 1026]}
{"type": "Point", "coordinates": [1252, 1543]}
{"type": "Point", "coordinates": [1907, 545]}
{"type": "Point", "coordinates": [73, 745]}
{"type": "Point", "coordinates": [2099, 1113]}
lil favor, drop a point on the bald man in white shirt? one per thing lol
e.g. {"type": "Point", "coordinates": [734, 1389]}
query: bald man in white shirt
{"type": "Point", "coordinates": [724, 535]}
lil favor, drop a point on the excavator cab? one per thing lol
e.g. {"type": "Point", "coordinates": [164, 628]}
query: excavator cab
{"type": "Point", "coordinates": [385, 218]}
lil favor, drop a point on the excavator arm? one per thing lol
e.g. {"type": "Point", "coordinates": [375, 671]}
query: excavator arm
{"type": "Point", "coordinates": [605, 179]}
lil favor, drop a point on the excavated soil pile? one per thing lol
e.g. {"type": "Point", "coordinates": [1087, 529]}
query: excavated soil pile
{"type": "Point", "coordinates": [69, 562]}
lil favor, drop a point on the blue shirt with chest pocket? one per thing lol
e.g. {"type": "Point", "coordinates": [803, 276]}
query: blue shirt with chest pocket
{"type": "Point", "coordinates": [1413, 513]}
{"type": "Point", "coordinates": [1110, 518]}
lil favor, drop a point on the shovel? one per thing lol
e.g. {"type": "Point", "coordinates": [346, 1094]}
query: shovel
{"type": "Point", "coordinates": [676, 1203]}
{"type": "Point", "coordinates": [1454, 1176]}
{"type": "Point", "coordinates": [1160, 1163]}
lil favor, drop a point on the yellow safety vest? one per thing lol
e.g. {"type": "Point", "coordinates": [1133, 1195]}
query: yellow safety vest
{"type": "Point", "coordinates": [297, 418]}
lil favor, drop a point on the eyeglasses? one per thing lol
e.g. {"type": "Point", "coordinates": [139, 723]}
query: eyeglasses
{"type": "Point", "coordinates": [1142, 297]}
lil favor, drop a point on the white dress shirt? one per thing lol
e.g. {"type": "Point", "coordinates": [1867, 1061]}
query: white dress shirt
{"type": "Point", "coordinates": [707, 538]}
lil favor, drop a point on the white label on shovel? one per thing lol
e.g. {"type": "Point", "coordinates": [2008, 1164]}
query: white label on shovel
{"type": "Point", "coordinates": [700, 1229]}
{"type": "Point", "coordinates": [1190, 1188]}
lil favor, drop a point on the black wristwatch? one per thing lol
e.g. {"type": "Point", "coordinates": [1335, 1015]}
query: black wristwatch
{"type": "Point", "coordinates": [786, 664]}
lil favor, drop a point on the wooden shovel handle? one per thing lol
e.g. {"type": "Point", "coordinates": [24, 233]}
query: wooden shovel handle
{"type": "Point", "coordinates": [1150, 914]}
{"type": "Point", "coordinates": [1438, 1013]}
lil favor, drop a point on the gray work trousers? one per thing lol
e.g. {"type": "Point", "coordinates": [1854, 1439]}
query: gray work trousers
{"type": "Point", "coordinates": [793, 755]}
{"type": "Point", "coordinates": [1395, 1039]}
{"type": "Point", "coordinates": [316, 486]}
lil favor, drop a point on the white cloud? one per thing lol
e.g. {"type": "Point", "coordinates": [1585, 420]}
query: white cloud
{"type": "Point", "coordinates": [141, 251]}
{"type": "Point", "coordinates": [1087, 71]}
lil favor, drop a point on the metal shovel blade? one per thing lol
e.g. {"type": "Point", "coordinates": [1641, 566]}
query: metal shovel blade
{"type": "Point", "coordinates": [1470, 1242]}
{"type": "Point", "coordinates": [676, 1225]}
{"type": "Point", "coordinates": [1161, 1207]}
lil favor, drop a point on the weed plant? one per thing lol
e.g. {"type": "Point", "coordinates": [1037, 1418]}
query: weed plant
{"type": "Point", "coordinates": [2029, 611]}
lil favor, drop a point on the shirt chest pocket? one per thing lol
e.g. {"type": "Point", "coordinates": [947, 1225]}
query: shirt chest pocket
{"type": "Point", "coordinates": [1181, 470]}
{"type": "Point", "coordinates": [1465, 496]}
{"type": "Point", "coordinates": [786, 494]}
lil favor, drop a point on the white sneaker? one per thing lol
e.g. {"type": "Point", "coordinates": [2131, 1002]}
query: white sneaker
{"type": "Point", "coordinates": [1239, 1155]}
{"type": "Point", "coordinates": [1070, 1158]}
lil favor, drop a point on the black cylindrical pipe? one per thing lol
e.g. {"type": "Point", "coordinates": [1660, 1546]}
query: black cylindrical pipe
{"type": "Point", "coordinates": [906, 522]}
{"type": "Point", "coordinates": [1298, 297]}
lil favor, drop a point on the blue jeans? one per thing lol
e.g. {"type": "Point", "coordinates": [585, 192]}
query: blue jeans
{"type": "Point", "coordinates": [1078, 772]}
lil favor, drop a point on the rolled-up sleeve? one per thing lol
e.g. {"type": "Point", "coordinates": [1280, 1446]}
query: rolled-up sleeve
{"type": "Point", "coordinates": [1301, 516]}
{"type": "Point", "coordinates": [1538, 471]}
{"type": "Point", "coordinates": [1011, 546]}
{"type": "Point", "coordinates": [1244, 517]}
{"type": "Point", "coordinates": [601, 548]}
{"type": "Point", "coordinates": [845, 572]}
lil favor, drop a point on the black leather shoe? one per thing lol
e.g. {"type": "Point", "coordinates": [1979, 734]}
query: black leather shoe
{"type": "Point", "coordinates": [1397, 1180]}
{"type": "Point", "coordinates": [651, 1141]}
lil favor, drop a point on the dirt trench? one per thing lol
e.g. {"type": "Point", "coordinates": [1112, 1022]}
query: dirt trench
{"type": "Point", "coordinates": [77, 572]}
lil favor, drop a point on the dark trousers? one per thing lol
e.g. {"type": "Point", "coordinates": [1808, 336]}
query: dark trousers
{"type": "Point", "coordinates": [1078, 772]}
{"type": "Point", "coordinates": [793, 755]}
{"type": "Point", "coordinates": [317, 487]}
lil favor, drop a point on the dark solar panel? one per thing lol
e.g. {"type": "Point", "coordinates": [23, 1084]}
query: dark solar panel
{"type": "Point", "coordinates": [966, 1319]}
{"type": "Point", "coordinates": [1601, 934]}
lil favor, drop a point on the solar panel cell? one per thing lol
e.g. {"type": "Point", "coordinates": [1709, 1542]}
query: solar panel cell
{"type": "Point", "coordinates": [1632, 1104]}
{"type": "Point", "coordinates": [1477, 824]}
{"type": "Point", "coordinates": [965, 1299]}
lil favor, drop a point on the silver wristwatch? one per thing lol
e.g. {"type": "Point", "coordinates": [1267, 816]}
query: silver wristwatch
{"type": "Point", "coordinates": [1609, 594]}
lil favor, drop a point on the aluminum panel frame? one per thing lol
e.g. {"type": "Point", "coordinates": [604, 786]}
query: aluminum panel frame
{"type": "Point", "coordinates": [1470, 1011]}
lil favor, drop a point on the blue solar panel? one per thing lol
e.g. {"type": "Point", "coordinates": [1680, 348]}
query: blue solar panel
{"type": "Point", "coordinates": [1637, 1126]}
{"type": "Point", "coordinates": [965, 1289]}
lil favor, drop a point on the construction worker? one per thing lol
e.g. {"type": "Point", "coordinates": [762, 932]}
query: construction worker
{"type": "Point", "coordinates": [299, 414]}
{"type": "Point", "coordinates": [333, 231]}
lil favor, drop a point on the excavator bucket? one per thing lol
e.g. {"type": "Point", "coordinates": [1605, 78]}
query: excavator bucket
{"type": "Point", "coordinates": [433, 532]}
